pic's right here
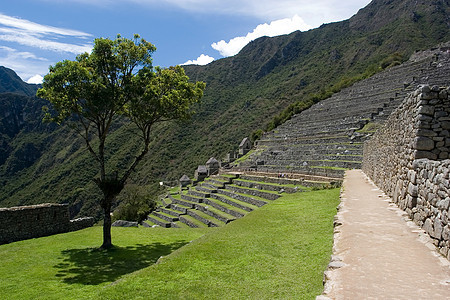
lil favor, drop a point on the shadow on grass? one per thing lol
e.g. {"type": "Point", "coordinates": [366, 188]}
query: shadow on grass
{"type": "Point", "coordinates": [91, 266]}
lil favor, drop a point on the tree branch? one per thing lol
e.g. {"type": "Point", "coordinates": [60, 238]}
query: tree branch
{"type": "Point", "coordinates": [146, 140]}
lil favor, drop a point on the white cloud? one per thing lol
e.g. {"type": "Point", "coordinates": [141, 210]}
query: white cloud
{"type": "Point", "coordinates": [44, 37]}
{"type": "Point", "coordinates": [36, 79]}
{"type": "Point", "coordinates": [201, 60]}
{"type": "Point", "coordinates": [25, 38]}
{"type": "Point", "coordinates": [13, 53]}
{"type": "Point", "coordinates": [275, 28]}
{"type": "Point", "coordinates": [25, 64]}
{"type": "Point", "coordinates": [36, 28]}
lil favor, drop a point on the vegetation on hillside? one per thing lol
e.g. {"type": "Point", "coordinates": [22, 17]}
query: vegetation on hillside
{"type": "Point", "coordinates": [345, 81]}
{"type": "Point", "coordinates": [243, 94]}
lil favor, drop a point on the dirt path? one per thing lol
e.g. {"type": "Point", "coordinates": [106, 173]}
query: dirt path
{"type": "Point", "coordinates": [378, 254]}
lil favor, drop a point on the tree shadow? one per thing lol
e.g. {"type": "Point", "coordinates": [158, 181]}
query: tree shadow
{"type": "Point", "coordinates": [92, 266]}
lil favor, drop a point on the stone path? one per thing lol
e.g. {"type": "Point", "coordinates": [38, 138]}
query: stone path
{"type": "Point", "coordinates": [378, 253]}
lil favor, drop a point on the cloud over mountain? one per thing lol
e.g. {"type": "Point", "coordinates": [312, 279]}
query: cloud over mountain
{"type": "Point", "coordinates": [201, 60]}
{"type": "Point", "coordinates": [275, 28]}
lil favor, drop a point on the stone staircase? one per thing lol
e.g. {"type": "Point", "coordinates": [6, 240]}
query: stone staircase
{"type": "Point", "coordinates": [224, 198]}
{"type": "Point", "coordinates": [327, 139]}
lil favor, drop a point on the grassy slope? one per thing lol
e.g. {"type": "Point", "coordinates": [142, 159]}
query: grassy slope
{"type": "Point", "coordinates": [278, 251]}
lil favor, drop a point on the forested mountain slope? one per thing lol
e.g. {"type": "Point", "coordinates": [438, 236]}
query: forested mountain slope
{"type": "Point", "coordinates": [43, 163]}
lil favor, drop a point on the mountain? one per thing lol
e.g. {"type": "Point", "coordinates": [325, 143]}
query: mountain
{"type": "Point", "coordinates": [11, 83]}
{"type": "Point", "coordinates": [245, 92]}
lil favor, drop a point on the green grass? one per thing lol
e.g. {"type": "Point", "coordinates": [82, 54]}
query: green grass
{"type": "Point", "coordinates": [69, 266]}
{"type": "Point", "coordinates": [370, 127]}
{"type": "Point", "coordinates": [276, 252]}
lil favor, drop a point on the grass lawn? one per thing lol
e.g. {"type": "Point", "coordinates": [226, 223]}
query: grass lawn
{"type": "Point", "coordinates": [276, 252]}
{"type": "Point", "coordinates": [69, 266]}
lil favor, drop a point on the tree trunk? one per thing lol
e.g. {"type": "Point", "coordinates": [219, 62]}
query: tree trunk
{"type": "Point", "coordinates": [107, 243]}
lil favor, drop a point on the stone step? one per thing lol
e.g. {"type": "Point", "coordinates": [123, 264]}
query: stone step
{"type": "Point", "coordinates": [235, 202]}
{"type": "Point", "coordinates": [158, 221]}
{"type": "Point", "coordinates": [191, 198]}
{"type": "Point", "coordinates": [166, 202]}
{"type": "Point", "coordinates": [227, 178]}
{"type": "Point", "coordinates": [288, 178]}
{"type": "Point", "coordinates": [209, 185]}
{"type": "Point", "coordinates": [191, 222]}
{"type": "Point", "coordinates": [180, 224]}
{"type": "Point", "coordinates": [201, 188]}
{"type": "Point", "coordinates": [220, 184]}
{"type": "Point", "coordinates": [267, 186]}
{"type": "Point", "coordinates": [290, 163]}
{"type": "Point", "coordinates": [174, 224]}
{"type": "Point", "coordinates": [163, 216]}
{"type": "Point", "coordinates": [202, 217]}
{"type": "Point", "coordinates": [294, 154]}
{"type": "Point", "coordinates": [227, 208]}
{"type": "Point", "coordinates": [184, 203]}
{"type": "Point", "coordinates": [217, 214]}
{"type": "Point", "coordinates": [198, 194]}
{"type": "Point", "coordinates": [171, 212]}
{"type": "Point", "coordinates": [253, 192]}
{"type": "Point", "coordinates": [272, 179]}
{"type": "Point", "coordinates": [179, 208]}
{"type": "Point", "coordinates": [244, 198]}
{"type": "Point", "coordinates": [317, 171]}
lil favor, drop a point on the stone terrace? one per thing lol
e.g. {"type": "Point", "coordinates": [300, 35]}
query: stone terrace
{"type": "Point", "coordinates": [224, 198]}
{"type": "Point", "coordinates": [327, 139]}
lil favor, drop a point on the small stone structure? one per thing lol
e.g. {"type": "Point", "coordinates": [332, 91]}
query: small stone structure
{"type": "Point", "coordinates": [201, 173]}
{"type": "Point", "coordinates": [26, 222]}
{"type": "Point", "coordinates": [245, 146]}
{"type": "Point", "coordinates": [184, 181]}
{"type": "Point", "coordinates": [213, 166]}
{"type": "Point", "coordinates": [408, 158]}
{"type": "Point", "coordinates": [230, 157]}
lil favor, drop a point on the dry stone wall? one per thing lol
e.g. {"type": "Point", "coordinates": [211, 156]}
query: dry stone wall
{"type": "Point", "coordinates": [26, 222]}
{"type": "Point", "coordinates": [408, 158]}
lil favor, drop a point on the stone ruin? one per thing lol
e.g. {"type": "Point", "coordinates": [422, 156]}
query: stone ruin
{"type": "Point", "coordinates": [184, 181]}
{"type": "Point", "coordinates": [327, 139]}
{"type": "Point", "coordinates": [201, 173]}
{"type": "Point", "coordinates": [245, 146]}
{"type": "Point", "coordinates": [213, 166]}
{"type": "Point", "coordinates": [408, 158]}
{"type": "Point", "coordinates": [26, 222]}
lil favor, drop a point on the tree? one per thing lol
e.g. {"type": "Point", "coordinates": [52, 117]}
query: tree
{"type": "Point", "coordinates": [136, 203]}
{"type": "Point", "coordinates": [115, 80]}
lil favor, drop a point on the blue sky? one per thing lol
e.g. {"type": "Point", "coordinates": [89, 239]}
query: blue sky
{"type": "Point", "coordinates": [35, 34]}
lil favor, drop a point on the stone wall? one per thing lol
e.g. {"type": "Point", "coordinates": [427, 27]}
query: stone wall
{"type": "Point", "coordinates": [26, 222]}
{"type": "Point", "coordinates": [408, 158]}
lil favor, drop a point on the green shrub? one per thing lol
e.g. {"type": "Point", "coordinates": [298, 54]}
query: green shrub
{"type": "Point", "coordinates": [256, 135]}
{"type": "Point", "coordinates": [136, 203]}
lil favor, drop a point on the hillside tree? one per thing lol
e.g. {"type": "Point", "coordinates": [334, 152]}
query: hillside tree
{"type": "Point", "coordinates": [116, 80]}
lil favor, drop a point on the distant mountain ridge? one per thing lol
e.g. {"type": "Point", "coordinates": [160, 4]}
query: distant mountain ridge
{"type": "Point", "coordinates": [47, 164]}
{"type": "Point", "coordinates": [10, 82]}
